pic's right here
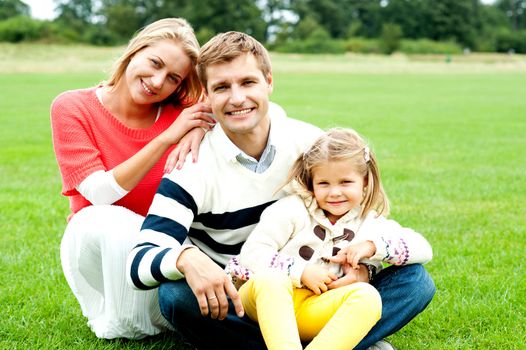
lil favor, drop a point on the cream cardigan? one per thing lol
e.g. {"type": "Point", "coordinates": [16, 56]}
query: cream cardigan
{"type": "Point", "coordinates": [294, 232]}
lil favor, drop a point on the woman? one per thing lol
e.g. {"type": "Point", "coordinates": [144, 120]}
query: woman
{"type": "Point", "coordinates": [111, 144]}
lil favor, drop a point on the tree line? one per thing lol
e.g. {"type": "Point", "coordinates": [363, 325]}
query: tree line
{"type": "Point", "coordinates": [386, 26]}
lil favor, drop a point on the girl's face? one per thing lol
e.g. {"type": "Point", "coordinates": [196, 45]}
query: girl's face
{"type": "Point", "coordinates": [156, 71]}
{"type": "Point", "coordinates": [338, 188]}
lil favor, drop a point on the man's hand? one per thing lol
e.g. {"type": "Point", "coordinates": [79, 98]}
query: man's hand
{"type": "Point", "coordinates": [316, 278]}
{"type": "Point", "coordinates": [209, 283]}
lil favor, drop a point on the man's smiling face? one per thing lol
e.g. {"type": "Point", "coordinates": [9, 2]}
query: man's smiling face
{"type": "Point", "coordinates": [238, 93]}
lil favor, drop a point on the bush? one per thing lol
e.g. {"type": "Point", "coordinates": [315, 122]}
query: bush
{"type": "Point", "coordinates": [318, 41]}
{"type": "Point", "coordinates": [426, 46]}
{"type": "Point", "coordinates": [20, 28]}
{"type": "Point", "coordinates": [390, 38]}
{"type": "Point", "coordinates": [309, 46]}
{"type": "Point", "coordinates": [99, 35]}
{"type": "Point", "coordinates": [507, 41]}
{"type": "Point", "coordinates": [362, 45]}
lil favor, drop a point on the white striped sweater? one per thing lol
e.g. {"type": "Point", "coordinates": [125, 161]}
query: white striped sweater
{"type": "Point", "coordinates": [213, 204]}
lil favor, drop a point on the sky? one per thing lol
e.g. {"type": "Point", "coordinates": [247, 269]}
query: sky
{"type": "Point", "coordinates": [43, 9]}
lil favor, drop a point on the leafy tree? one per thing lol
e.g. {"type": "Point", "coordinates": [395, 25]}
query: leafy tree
{"type": "Point", "coordinates": [306, 27]}
{"type": "Point", "coordinates": [76, 12]}
{"type": "Point", "coordinates": [332, 15]}
{"type": "Point", "coordinates": [122, 20]}
{"type": "Point", "coordinates": [221, 16]}
{"type": "Point", "coordinates": [75, 17]}
{"type": "Point", "coordinates": [276, 14]}
{"type": "Point", "coordinates": [125, 16]}
{"type": "Point", "coordinates": [408, 15]}
{"type": "Point", "coordinates": [450, 20]}
{"type": "Point", "coordinates": [493, 22]}
{"type": "Point", "coordinates": [13, 8]}
{"type": "Point", "coordinates": [369, 15]}
{"type": "Point", "coordinates": [515, 11]}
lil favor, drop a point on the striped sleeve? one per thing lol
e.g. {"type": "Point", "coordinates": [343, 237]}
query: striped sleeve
{"type": "Point", "coordinates": [162, 237]}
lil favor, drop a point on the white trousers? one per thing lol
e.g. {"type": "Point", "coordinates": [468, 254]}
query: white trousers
{"type": "Point", "coordinates": [93, 252]}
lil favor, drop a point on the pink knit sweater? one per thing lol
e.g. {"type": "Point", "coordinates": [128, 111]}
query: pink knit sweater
{"type": "Point", "coordinates": [87, 138]}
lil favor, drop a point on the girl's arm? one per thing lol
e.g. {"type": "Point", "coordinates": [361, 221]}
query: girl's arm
{"type": "Point", "coordinates": [277, 226]}
{"type": "Point", "coordinates": [395, 244]}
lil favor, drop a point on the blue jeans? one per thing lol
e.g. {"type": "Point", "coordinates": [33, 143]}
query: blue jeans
{"type": "Point", "coordinates": [405, 291]}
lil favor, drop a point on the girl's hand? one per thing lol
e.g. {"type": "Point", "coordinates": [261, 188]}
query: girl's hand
{"type": "Point", "coordinates": [352, 254]}
{"type": "Point", "coordinates": [316, 278]}
{"type": "Point", "coordinates": [197, 116]}
{"type": "Point", "coordinates": [356, 252]}
{"type": "Point", "coordinates": [351, 276]}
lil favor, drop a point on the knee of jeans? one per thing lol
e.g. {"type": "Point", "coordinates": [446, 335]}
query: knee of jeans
{"type": "Point", "coordinates": [166, 303]}
{"type": "Point", "coordinates": [174, 300]}
{"type": "Point", "coordinates": [423, 284]}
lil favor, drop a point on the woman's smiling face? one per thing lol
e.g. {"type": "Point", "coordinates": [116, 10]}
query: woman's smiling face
{"type": "Point", "coordinates": [155, 72]}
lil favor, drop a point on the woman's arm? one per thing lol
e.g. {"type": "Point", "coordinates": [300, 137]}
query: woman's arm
{"type": "Point", "coordinates": [107, 187]}
{"type": "Point", "coordinates": [130, 172]}
{"type": "Point", "coordinates": [101, 188]}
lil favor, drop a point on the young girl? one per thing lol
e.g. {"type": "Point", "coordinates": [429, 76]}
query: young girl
{"type": "Point", "coordinates": [292, 259]}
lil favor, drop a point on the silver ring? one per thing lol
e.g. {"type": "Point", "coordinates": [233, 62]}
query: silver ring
{"type": "Point", "coordinates": [214, 297]}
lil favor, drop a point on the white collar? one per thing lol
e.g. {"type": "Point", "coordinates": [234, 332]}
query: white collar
{"type": "Point", "coordinates": [230, 150]}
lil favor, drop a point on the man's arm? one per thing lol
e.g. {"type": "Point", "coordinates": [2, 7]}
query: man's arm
{"type": "Point", "coordinates": [162, 255]}
{"type": "Point", "coordinates": [162, 237]}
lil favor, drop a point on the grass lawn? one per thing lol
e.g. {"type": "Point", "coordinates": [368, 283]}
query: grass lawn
{"type": "Point", "coordinates": [451, 142]}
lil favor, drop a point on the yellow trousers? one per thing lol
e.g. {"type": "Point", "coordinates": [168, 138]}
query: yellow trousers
{"type": "Point", "coordinates": [336, 319]}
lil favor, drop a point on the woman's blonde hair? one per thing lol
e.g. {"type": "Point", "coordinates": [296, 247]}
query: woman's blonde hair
{"type": "Point", "coordinates": [340, 144]}
{"type": "Point", "coordinates": [178, 30]}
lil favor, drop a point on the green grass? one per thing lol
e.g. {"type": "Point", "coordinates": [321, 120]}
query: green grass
{"type": "Point", "coordinates": [451, 149]}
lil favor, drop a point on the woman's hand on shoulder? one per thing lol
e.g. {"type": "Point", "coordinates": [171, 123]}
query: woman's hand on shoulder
{"type": "Point", "coordinates": [187, 131]}
{"type": "Point", "coordinates": [196, 116]}
{"type": "Point", "coordinates": [189, 143]}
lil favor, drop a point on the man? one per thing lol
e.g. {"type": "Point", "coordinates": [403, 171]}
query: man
{"type": "Point", "coordinates": [202, 214]}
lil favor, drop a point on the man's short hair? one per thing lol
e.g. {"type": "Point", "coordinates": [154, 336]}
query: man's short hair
{"type": "Point", "coordinates": [225, 47]}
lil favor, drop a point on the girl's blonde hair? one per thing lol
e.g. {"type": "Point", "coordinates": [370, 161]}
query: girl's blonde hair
{"type": "Point", "coordinates": [178, 30]}
{"type": "Point", "coordinates": [340, 144]}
